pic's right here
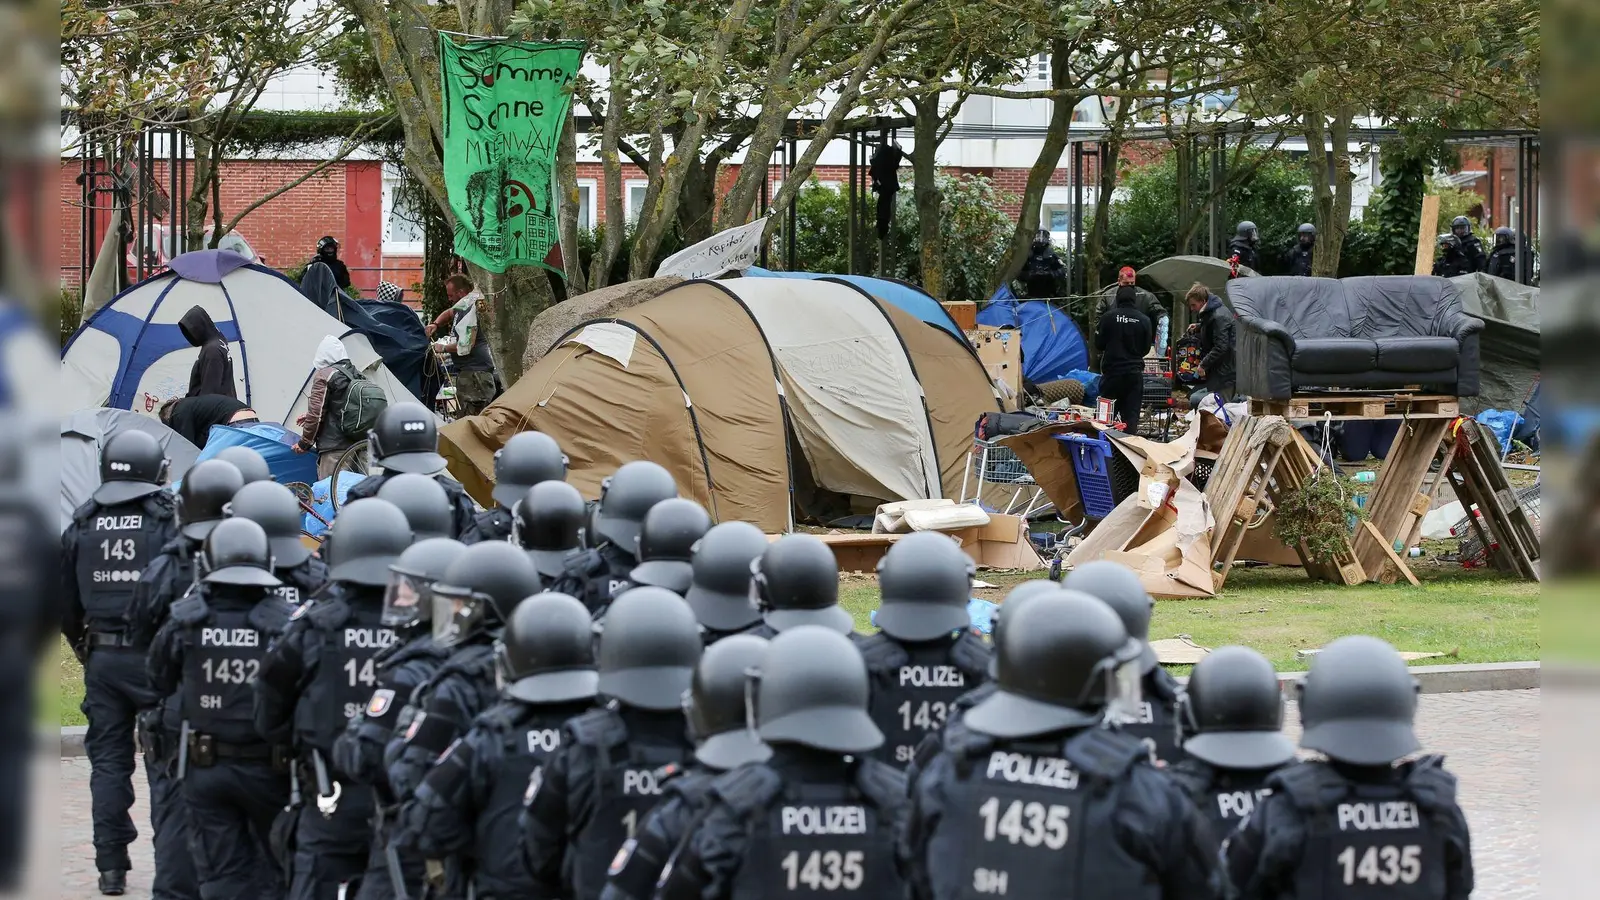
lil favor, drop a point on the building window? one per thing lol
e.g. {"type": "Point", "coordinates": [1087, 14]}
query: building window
{"type": "Point", "coordinates": [586, 191]}
{"type": "Point", "coordinates": [1041, 67]}
{"type": "Point", "coordinates": [633, 198]}
{"type": "Point", "coordinates": [402, 220]}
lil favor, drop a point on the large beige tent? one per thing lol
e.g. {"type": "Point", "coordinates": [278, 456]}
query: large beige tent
{"type": "Point", "coordinates": [755, 393]}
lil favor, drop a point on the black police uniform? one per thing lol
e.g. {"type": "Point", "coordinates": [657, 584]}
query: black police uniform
{"type": "Point", "coordinates": [464, 513]}
{"type": "Point", "coordinates": [1245, 250]}
{"type": "Point", "coordinates": [1335, 830]}
{"type": "Point", "coordinates": [493, 524]}
{"type": "Point", "coordinates": [1451, 264]}
{"type": "Point", "coordinates": [28, 620]}
{"type": "Point", "coordinates": [1223, 796]}
{"type": "Point", "coordinates": [1157, 725]}
{"type": "Point", "coordinates": [596, 576]}
{"type": "Point", "coordinates": [443, 708]}
{"type": "Point", "coordinates": [1502, 262]}
{"type": "Point", "coordinates": [1298, 259]}
{"type": "Point", "coordinates": [1472, 250]}
{"type": "Point", "coordinates": [915, 685]}
{"type": "Point", "coordinates": [636, 870]}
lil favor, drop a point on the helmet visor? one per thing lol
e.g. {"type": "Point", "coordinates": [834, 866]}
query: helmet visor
{"type": "Point", "coordinates": [456, 616]}
{"type": "Point", "coordinates": [407, 601]}
{"type": "Point", "coordinates": [1125, 691]}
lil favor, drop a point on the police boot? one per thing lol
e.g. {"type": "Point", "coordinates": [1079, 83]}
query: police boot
{"type": "Point", "coordinates": [114, 882]}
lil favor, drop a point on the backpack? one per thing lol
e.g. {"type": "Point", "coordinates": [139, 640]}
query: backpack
{"type": "Point", "coordinates": [1186, 358]}
{"type": "Point", "coordinates": [364, 400]}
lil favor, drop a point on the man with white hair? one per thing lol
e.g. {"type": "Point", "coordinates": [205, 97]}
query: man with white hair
{"type": "Point", "coordinates": [322, 428]}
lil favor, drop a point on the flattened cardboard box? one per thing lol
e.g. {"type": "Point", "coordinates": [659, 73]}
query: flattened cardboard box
{"type": "Point", "coordinates": [1002, 544]}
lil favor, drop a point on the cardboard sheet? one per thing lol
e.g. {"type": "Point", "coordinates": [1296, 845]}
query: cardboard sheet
{"type": "Point", "coordinates": [1169, 547]}
{"type": "Point", "coordinates": [927, 515]}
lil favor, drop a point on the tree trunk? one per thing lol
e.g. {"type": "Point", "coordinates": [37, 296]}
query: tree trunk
{"type": "Point", "coordinates": [698, 206]}
{"type": "Point", "coordinates": [925, 189]}
{"type": "Point", "coordinates": [1043, 169]}
{"type": "Point", "coordinates": [515, 298]}
{"type": "Point", "coordinates": [1094, 255]}
{"type": "Point", "coordinates": [567, 185]}
{"type": "Point", "coordinates": [611, 164]}
{"type": "Point", "coordinates": [1330, 204]}
{"type": "Point", "coordinates": [199, 199]}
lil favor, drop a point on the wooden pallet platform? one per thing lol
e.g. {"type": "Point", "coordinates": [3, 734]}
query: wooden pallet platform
{"type": "Point", "coordinates": [1360, 406]}
{"type": "Point", "coordinates": [1502, 524]}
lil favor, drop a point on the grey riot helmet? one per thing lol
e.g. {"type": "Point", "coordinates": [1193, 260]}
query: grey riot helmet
{"type": "Point", "coordinates": [1247, 230]}
{"type": "Point", "coordinates": [1504, 237]}
{"type": "Point", "coordinates": [479, 591]}
{"type": "Point", "coordinates": [1019, 597]}
{"type": "Point", "coordinates": [132, 465]}
{"type": "Point", "coordinates": [1232, 712]}
{"type": "Point", "coordinates": [364, 540]}
{"type": "Point", "coordinates": [237, 552]}
{"type": "Point", "coordinates": [530, 457]}
{"type": "Point", "coordinates": [666, 541]}
{"type": "Point", "coordinates": [423, 501]}
{"type": "Point", "coordinates": [926, 580]}
{"type": "Point", "coordinates": [252, 465]}
{"type": "Point", "coordinates": [1119, 588]}
{"type": "Point", "coordinates": [204, 495]}
{"type": "Point", "coordinates": [1448, 242]}
{"type": "Point", "coordinates": [547, 652]}
{"type": "Point", "coordinates": [275, 509]}
{"type": "Point", "coordinates": [720, 592]}
{"type": "Point", "coordinates": [649, 646]}
{"type": "Point", "coordinates": [1461, 227]}
{"type": "Point", "coordinates": [796, 582]}
{"type": "Point", "coordinates": [548, 523]}
{"type": "Point", "coordinates": [1358, 703]}
{"type": "Point", "coordinates": [406, 439]}
{"type": "Point", "coordinates": [1065, 662]}
{"type": "Point", "coordinates": [408, 600]}
{"type": "Point", "coordinates": [626, 496]}
{"type": "Point", "coordinates": [1308, 234]}
{"type": "Point", "coordinates": [718, 703]}
{"type": "Point", "coordinates": [813, 691]}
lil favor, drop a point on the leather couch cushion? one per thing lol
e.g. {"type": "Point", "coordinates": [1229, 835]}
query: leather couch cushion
{"type": "Point", "coordinates": [1418, 354]}
{"type": "Point", "coordinates": [1335, 356]}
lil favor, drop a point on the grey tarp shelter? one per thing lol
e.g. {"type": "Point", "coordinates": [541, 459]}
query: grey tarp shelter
{"type": "Point", "coordinates": [84, 432]}
{"type": "Point", "coordinates": [1508, 344]}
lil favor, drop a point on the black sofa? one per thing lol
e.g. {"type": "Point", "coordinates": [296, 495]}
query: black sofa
{"type": "Point", "coordinates": [1383, 333]}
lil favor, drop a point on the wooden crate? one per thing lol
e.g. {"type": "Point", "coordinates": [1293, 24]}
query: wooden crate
{"type": "Point", "coordinates": [964, 312]}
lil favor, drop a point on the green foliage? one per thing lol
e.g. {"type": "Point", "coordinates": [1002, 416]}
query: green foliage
{"type": "Point", "coordinates": [589, 241]}
{"type": "Point", "coordinates": [1386, 239]}
{"type": "Point", "coordinates": [70, 312]}
{"type": "Point", "coordinates": [1319, 513]}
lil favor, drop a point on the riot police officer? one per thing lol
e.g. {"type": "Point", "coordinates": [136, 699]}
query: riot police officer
{"type": "Point", "coordinates": [820, 815]}
{"type": "Point", "coordinates": [594, 792]}
{"type": "Point", "coordinates": [1118, 587]}
{"type": "Point", "coordinates": [275, 509]}
{"type": "Point", "coordinates": [1471, 247]}
{"type": "Point", "coordinates": [1242, 247]}
{"type": "Point", "coordinates": [597, 575]}
{"type": "Point", "coordinates": [400, 668]}
{"type": "Point", "coordinates": [1032, 797]}
{"type": "Point", "coordinates": [405, 440]}
{"type": "Point", "coordinates": [209, 653]}
{"type": "Point", "coordinates": [1359, 823]}
{"type": "Point", "coordinates": [466, 810]}
{"type": "Point", "coordinates": [425, 504]}
{"type": "Point", "coordinates": [1232, 717]}
{"type": "Point", "coordinates": [925, 655]}
{"type": "Point", "coordinates": [313, 681]}
{"type": "Point", "coordinates": [103, 551]}
{"type": "Point", "coordinates": [1502, 262]}
{"type": "Point", "coordinates": [548, 523]}
{"type": "Point", "coordinates": [252, 465]}
{"type": "Point", "coordinates": [1452, 261]}
{"type": "Point", "coordinates": [719, 592]}
{"type": "Point", "coordinates": [529, 458]}
{"type": "Point", "coordinates": [718, 710]}
{"type": "Point", "coordinates": [203, 497]}
{"type": "Point", "coordinates": [796, 582]}
{"type": "Point", "coordinates": [666, 544]}
{"type": "Point", "coordinates": [1298, 260]}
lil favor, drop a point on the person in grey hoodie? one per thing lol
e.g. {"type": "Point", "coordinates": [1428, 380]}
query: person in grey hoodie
{"type": "Point", "coordinates": [213, 368]}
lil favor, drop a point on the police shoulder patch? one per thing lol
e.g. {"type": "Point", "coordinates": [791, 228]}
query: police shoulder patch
{"type": "Point", "coordinates": [382, 700]}
{"type": "Point", "coordinates": [301, 610]}
{"type": "Point", "coordinates": [448, 751]}
{"type": "Point", "coordinates": [620, 861]}
{"type": "Point", "coordinates": [535, 781]}
{"type": "Point", "coordinates": [416, 724]}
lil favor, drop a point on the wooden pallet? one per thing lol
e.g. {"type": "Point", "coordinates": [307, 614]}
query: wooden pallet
{"type": "Point", "coordinates": [1502, 523]}
{"type": "Point", "coordinates": [1398, 503]}
{"type": "Point", "coordinates": [1360, 406]}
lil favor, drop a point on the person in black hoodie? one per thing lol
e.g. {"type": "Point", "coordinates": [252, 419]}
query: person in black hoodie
{"type": "Point", "coordinates": [1123, 338]}
{"type": "Point", "coordinates": [1215, 325]}
{"type": "Point", "coordinates": [213, 369]}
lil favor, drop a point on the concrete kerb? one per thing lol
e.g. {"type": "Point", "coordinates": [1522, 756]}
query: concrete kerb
{"type": "Point", "coordinates": [1512, 676]}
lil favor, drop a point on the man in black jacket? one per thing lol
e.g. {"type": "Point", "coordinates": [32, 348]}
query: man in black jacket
{"type": "Point", "coordinates": [1215, 324]}
{"type": "Point", "coordinates": [192, 417]}
{"type": "Point", "coordinates": [1123, 338]}
{"type": "Point", "coordinates": [213, 369]}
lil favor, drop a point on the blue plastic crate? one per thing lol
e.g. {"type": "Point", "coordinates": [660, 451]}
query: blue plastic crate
{"type": "Point", "coordinates": [1091, 461]}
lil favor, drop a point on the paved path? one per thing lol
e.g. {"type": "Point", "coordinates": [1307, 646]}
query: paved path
{"type": "Point", "coordinates": [1491, 741]}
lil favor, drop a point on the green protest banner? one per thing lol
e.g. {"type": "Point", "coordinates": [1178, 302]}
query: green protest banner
{"type": "Point", "coordinates": [505, 103]}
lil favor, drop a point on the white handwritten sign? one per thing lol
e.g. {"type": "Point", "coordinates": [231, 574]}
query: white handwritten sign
{"type": "Point", "coordinates": [733, 250]}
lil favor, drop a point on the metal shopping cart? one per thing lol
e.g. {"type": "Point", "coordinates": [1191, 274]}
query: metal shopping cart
{"type": "Point", "coordinates": [989, 463]}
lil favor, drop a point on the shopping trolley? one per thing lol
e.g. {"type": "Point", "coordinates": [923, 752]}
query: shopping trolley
{"type": "Point", "coordinates": [990, 463]}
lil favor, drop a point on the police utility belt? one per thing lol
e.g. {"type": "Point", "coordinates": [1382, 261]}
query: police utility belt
{"type": "Point", "coordinates": [206, 751]}
{"type": "Point", "coordinates": [105, 639]}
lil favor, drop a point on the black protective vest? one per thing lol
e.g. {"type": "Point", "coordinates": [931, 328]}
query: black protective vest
{"type": "Point", "coordinates": [348, 638]}
{"type": "Point", "coordinates": [816, 839]}
{"type": "Point", "coordinates": [1035, 820]}
{"type": "Point", "coordinates": [1223, 796]}
{"type": "Point", "coordinates": [624, 787]}
{"type": "Point", "coordinates": [223, 648]}
{"type": "Point", "coordinates": [1158, 723]}
{"type": "Point", "coordinates": [528, 736]}
{"type": "Point", "coordinates": [915, 686]}
{"type": "Point", "coordinates": [1370, 840]}
{"type": "Point", "coordinates": [596, 576]}
{"type": "Point", "coordinates": [115, 543]}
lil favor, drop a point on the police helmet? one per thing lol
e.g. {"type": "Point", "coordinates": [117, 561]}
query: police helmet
{"type": "Point", "coordinates": [626, 496]}
{"type": "Point", "coordinates": [926, 579]}
{"type": "Point", "coordinates": [720, 592]}
{"type": "Point", "coordinates": [327, 242]}
{"type": "Point", "coordinates": [406, 439]}
{"type": "Point", "coordinates": [547, 652]}
{"type": "Point", "coordinates": [649, 646]}
{"type": "Point", "coordinates": [1461, 226]}
{"type": "Point", "coordinates": [1358, 703]}
{"type": "Point", "coordinates": [666, 544]}
{"type": "Point", "coordinates": [132, 465]}
{"type": "Point", "coordinates": [527, 459]}
{"type": "Point", "coordinates": [251, 465]}
{"type": "Point", "coordinates": [423, 501]}
{"type": "Point", "coordinates": [1018, 598]}
{"type": "Point", "coordinates": [1064, 660]}
{"type": "Point", "coordinates": [548, 523]}
{"type": "Point", "coordinates": [718, 703]}
{"type": "Point", "coordinates": [1247, 230]}
{"type": "Point", "coordinates": [480, 589]}
{"type": "Point", "coordinates": [204, 495]}
{"type": "Point", "coordinates": [275, 509]}
{"type": "Point", "coordinates": [1308, 229]}
{"type": "Point", "coordinates": [408, 600]}
{"type": "Point", "coordinates": [1041, 237]}
{"type": "Point", "coordinates": [1232, 712]}
{"type": "Point", "coordinates": [1449, 242]}
{"type": "Point", "coordinates": [1504, 237]}
{"type": "Point", "coordinates": [1119, 588]}
{"type": "Point", "coordinates": [238, 552]}
{"type": "Point", "coordinates": [813, 691]}
{"type": "Point", "coordinates": [365, 539]}
{"type": "Point", "coordinates": [795, 581]}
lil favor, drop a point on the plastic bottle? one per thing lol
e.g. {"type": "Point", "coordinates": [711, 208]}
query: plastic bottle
{"type": "Point", "coordinates": [1365, 477]}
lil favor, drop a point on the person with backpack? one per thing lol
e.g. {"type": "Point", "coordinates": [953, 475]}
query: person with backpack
{"type": "Point", "coordinates": [344, 405]}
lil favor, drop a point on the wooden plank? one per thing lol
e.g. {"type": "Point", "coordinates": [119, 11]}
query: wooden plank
{"type": "Point", "coordinates": [1344, 407]}
{"type": "Point", "coordinates": [1394, 558]}
{"type": "Point", "coordinates": [1427, 238]}
{"type": "Point", "coordinates": [1421, 505]}
{"type": "Point", "coordinates": [1399, 481]}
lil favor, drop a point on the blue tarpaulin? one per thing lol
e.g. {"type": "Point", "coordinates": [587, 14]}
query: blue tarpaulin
{"type": "Point", "coordinates": [1052, 346]}
{"type": "Point", "coordinates": [322, 502]}
{"type": "Point", "coordinates": [908, 298]}
{"type": "Point", "coordinates": [1503, 422]}
{"type": "Point", "coordinates": [980, 611]}
{"type": "Point", "coordinates": [272, 441]}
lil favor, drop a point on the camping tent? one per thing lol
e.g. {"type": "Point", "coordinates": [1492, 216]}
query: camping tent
{"type": "Point", "coordinates": [1052, 345]}
{"type": "Point", "coordinates": [550, 326]}
{"type": "Point", "coordinates": [392, 329]}
{"type": "Point", "coordinates": [131, 355]}
{"type": "Point", "coordinates": [908, 297]}
{"type": "Point", "coordinates": [1509, 342]}
{"type": "Point", "coordinates": [84, 433]}
{"type": "Point", "coordinates": [754, 392]}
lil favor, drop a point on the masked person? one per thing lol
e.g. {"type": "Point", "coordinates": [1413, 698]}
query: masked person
{"type": "Point", "coordinates": [718, 708]}
{"type": "Point", "coordinates": [719, 589]}
{"type": "Point", "coordinates": [1217, 331]}
{"type": "Point", "coordinates": [795, 581]}
{"type": "Point", "coordinates": [405, 440]}
{"type": "Point", "coordinates": [1242, 248]}
{"type": "Point", "coordinates": [595, 791]}
{"type": "Point", "coordinates": [1363, 821]}
{"type": "Point", "coordinates": [275, 509]}
{"type": "Point", "coordinates": [666, 544]}
{"type": "Point", "coordinates": [600, 573]}
{"type": "Point", "coordinates": [212, 372]}
{"type": "Point", "coordinates": [342, 407]}
{"type": "Point", "coordinates": [1232, 717]}
{"type": "Point", "coordinates": [548, 524]}
{"type": "Point", "coordinates": [466, 809]}
{"type": "Point", "coordinates": [529, 458]}
{"type": "Point", "coordinates": [820, 815]}
{"type": "Point", "coordinates": [400, 669]}
{"type": "Point", "coordinates": [1043, 274]}
{"type": "Point", "coordinates": [1298, 260]}
{"type": "Point", "coordinates": [1034, 797]}
{"type": "Point", "coordinates": [925, 655]}
{"type": "Point", "coordinates": [1471, 246]}
{"type": "Point", "coordinates": [1452, 261]}
{"type": "Point", "coordinates": [209, 653]}
{"type": "Point", "coordinates": [313, 681]}
{"type": "Point", "coordinates": [328, 255]}
{"type": "Point", "coordinates": [103, 552]}
{"type": "Point", "coordinates": [1123, 337]}
{"type": "Point", "coordinates": [424, 503]}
